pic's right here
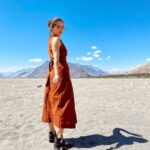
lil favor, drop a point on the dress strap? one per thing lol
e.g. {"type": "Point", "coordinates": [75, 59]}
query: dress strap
{"type": "Point", "coordinates": [61, 41]}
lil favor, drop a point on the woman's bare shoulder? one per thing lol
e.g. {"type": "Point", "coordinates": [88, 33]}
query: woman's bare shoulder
{"type": "Point", "coordinates": [56, 41]}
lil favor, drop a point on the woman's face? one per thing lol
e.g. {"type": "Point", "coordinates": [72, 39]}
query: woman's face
{"type": "Point", "coordinates": [58, 28]}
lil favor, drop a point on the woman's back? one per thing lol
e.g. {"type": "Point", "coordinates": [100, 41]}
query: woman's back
{"type": "Point", "coordinates": [62, 52]}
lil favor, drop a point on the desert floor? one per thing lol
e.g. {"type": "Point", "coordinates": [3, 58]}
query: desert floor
{"type": "Point", "coordinates": [110, 112]}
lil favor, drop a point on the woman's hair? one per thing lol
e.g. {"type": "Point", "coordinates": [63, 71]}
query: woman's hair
{"type": "Point", "coordinates": [53, 22]}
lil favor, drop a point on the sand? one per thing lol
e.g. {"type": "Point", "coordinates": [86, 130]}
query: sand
{"type": "Point", "coordinates": [108, 111]}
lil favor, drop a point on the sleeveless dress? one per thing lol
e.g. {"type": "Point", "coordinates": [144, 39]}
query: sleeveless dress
{"type": "Point", "coordinates": [59, 104]}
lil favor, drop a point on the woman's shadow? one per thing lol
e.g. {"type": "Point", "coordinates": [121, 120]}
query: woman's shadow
{"type": "Point", "coordinates": [97, 140]}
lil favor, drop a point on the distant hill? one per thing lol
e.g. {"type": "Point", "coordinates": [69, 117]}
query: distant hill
{"type": "Point", "coordinates": [40, 71]}
{"type": "Point", "coordinates": [19, 73]}
{"type": "Point", "coordinates": [143, 69]}
{"type": "Point", "coordinates": [76, 70]}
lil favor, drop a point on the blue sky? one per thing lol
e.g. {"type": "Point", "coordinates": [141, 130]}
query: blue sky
{"type": "Point", "coordinates": [111, 34]}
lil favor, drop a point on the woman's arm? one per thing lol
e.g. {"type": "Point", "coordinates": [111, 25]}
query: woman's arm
{"type": "Point", "coordinates": [55, 49]}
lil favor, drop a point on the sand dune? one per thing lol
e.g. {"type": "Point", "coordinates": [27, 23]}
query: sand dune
{"type": "Point", "coordinates": [108, 111]}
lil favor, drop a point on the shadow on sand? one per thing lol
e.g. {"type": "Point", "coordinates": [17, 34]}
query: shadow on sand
{"type": "Point", "coordinates": [90, 141]}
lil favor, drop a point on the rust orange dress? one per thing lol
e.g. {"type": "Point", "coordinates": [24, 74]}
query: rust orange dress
{"type": "Point", "coordinates": [59, 104]}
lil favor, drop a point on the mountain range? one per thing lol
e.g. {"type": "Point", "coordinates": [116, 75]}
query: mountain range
{"type": "Point", "coordinates": [76, 71]}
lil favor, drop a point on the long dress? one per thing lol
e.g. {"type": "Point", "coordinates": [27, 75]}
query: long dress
{"type": "Point", "coordinates": [59, 104]}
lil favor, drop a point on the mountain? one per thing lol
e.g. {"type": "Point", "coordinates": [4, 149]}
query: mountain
{"type": "Point", "coordinates": [4, 74]}
{"type": "Point", "coordinates": [40, 71]}
{"type": "Point", "coordinates": [142, 69]}
{"type": "Point", "coordinates": [76, 70]}
{"type": "Point", "coordinates": [1, 76]}
{"type": "Point", "coordinates": [19, 73]}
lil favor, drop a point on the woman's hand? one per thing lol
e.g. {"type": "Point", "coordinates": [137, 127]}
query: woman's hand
{"type": "Point", "coordinates": [55, 79]}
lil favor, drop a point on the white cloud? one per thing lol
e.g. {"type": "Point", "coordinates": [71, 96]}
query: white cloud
{"type": "Point", "coordinates": [88, 53]}
{"type": "Point", "coordinates": [84, 58]}
{"type": "Point", "coordinates": [10, 69]}
{"type": "Point", "coordinates": [97, 51]}
{"type": "Point", "coordinates": [36, 60]}
{"type": "Point", "coordinates": [114, 69]}
{"type": "Point", "coordinates": [77, 58]}
{"type": "Point", "coordinates": [108, 57]}
{"type": "Point", "coordinates": [100, 58]}
{"type": "Point", "coordinates": [147, 59]}
{"type": "Point", "coordinates": [93, 47]}
{"type": "Point", "coordinates": [96, 55]}
{"type": "Point", "coordinates": [14, 69]}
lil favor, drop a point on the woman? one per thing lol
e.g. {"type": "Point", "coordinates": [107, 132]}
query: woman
{"type": "Point", "coordinates": [59, 107]}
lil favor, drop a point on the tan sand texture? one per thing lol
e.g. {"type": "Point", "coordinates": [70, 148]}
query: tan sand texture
{"type": "Point", "coordinates": [111, 113]}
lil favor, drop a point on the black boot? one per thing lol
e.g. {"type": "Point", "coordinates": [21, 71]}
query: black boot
{"type": "Point", "coordinates": [61, 144]}
{"type": "Point", "coordinates": [52, 136]}
{"type": "Point", "coordinates": [65, 145]}
{"type": "Point", "coordinates": [57, 143]}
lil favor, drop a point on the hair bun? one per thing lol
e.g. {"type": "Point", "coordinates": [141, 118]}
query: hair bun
{"type": "Point", "coordinates": [53, 22]}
